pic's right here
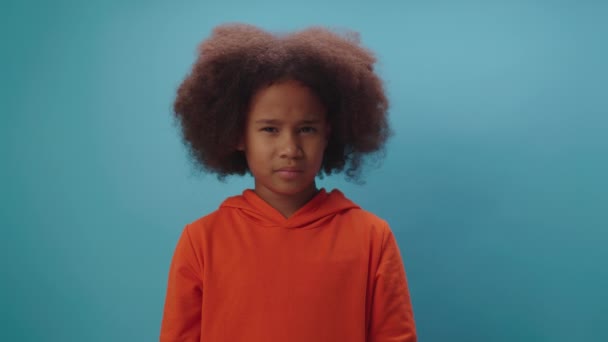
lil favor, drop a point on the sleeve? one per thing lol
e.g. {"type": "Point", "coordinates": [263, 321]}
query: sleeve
{"type": "Point", "coordinates": [182, 312]}
{"type": "Point", "coordinates": [392, 317]}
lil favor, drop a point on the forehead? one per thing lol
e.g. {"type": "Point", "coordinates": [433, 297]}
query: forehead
{"type": "Point", "coordinates": [287, 98]}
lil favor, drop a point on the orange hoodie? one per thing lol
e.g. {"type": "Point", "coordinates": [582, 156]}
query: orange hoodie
{"type": "Point", "coordinates": [330, 272]}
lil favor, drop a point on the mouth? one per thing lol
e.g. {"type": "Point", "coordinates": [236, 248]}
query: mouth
{"type": "Point", "coordinates": [289, 172]}
{"type": "Point", "coordinates": [289, 169]}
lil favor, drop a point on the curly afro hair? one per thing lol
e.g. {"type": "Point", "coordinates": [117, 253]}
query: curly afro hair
{"type": "Point", "coordinates": [239, 59]}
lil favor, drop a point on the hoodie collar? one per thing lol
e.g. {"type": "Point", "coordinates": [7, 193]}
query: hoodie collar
{"type": "Point", "coordinates": [322, 206]}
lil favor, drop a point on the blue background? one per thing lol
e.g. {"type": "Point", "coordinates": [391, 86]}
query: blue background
{"type": "Point", "coordinates": [495, 182]}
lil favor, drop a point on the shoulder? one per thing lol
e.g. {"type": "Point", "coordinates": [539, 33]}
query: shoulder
{"type": "Point", "coordinates": [227, 214]}
{"type": "Point", "coordinates": [206, 222]}
{"type": "Point", "coordinates": [370, 222]}
{"type": "Point", "coordinates": [201, 225]}
{"type": "Point", "coordinates": [367, 217]}
{"type": "Point", "coordinates": [366, 220]}
{"type": "Point", "coordinates": [218, 216]}
{"type": "Point", "coordinates": [355, 211]}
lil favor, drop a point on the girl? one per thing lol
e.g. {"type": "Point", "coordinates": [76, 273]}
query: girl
{"type": "Point", "coordinates": [285, 261]}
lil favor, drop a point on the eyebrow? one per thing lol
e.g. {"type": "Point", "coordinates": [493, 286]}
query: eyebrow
{"type": "Point", "coordinates": [276, 122]}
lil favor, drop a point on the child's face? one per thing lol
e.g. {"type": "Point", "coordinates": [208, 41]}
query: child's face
{"type": "Point", "coordinates": [286, 133]}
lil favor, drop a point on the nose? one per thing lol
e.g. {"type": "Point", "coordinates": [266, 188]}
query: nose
{"type": "Point", "coordinates": [290, 147]}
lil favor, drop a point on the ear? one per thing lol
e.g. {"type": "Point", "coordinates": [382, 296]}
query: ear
{"type": "Point", "coordinates": [240, 146]}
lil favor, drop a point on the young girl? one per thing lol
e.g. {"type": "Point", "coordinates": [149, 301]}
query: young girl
{"type": "Point", "coordinates": [285, 261]}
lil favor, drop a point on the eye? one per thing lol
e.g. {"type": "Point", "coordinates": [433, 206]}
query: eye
{"type": "Point", "coordinates": [308, 129]}
{"type": "Point", "coordinates": [269, 129]}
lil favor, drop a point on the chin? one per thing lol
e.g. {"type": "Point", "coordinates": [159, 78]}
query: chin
{"type": "Point", "coordinates": [291, 189]}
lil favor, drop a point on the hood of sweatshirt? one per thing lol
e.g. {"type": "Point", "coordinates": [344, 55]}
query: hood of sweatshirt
{"type": "Point", "coordinates": [324, 205]}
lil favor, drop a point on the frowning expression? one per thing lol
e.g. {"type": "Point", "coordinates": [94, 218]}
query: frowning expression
{"type": "Point", "coordinates": [285, 136]}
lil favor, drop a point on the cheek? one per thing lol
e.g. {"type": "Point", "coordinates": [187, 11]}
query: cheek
{"type": "Point", "coordinates": [257, 150]}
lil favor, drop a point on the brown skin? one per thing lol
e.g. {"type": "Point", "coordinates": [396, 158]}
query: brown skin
{"type": "Point", "coordinates": [285, 137]}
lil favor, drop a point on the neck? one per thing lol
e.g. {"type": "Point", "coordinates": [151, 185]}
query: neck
{"type": "Point", "coordinates": [286, 204]}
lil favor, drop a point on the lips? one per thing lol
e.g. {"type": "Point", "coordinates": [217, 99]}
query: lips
{"type": "Point", "coordinates": [289, 172]}
{"type": "Point", "coordinates": [289, 169]}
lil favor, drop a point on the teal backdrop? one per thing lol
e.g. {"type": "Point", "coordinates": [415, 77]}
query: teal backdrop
{"type": "Point", "coordinates": [495, 182]}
